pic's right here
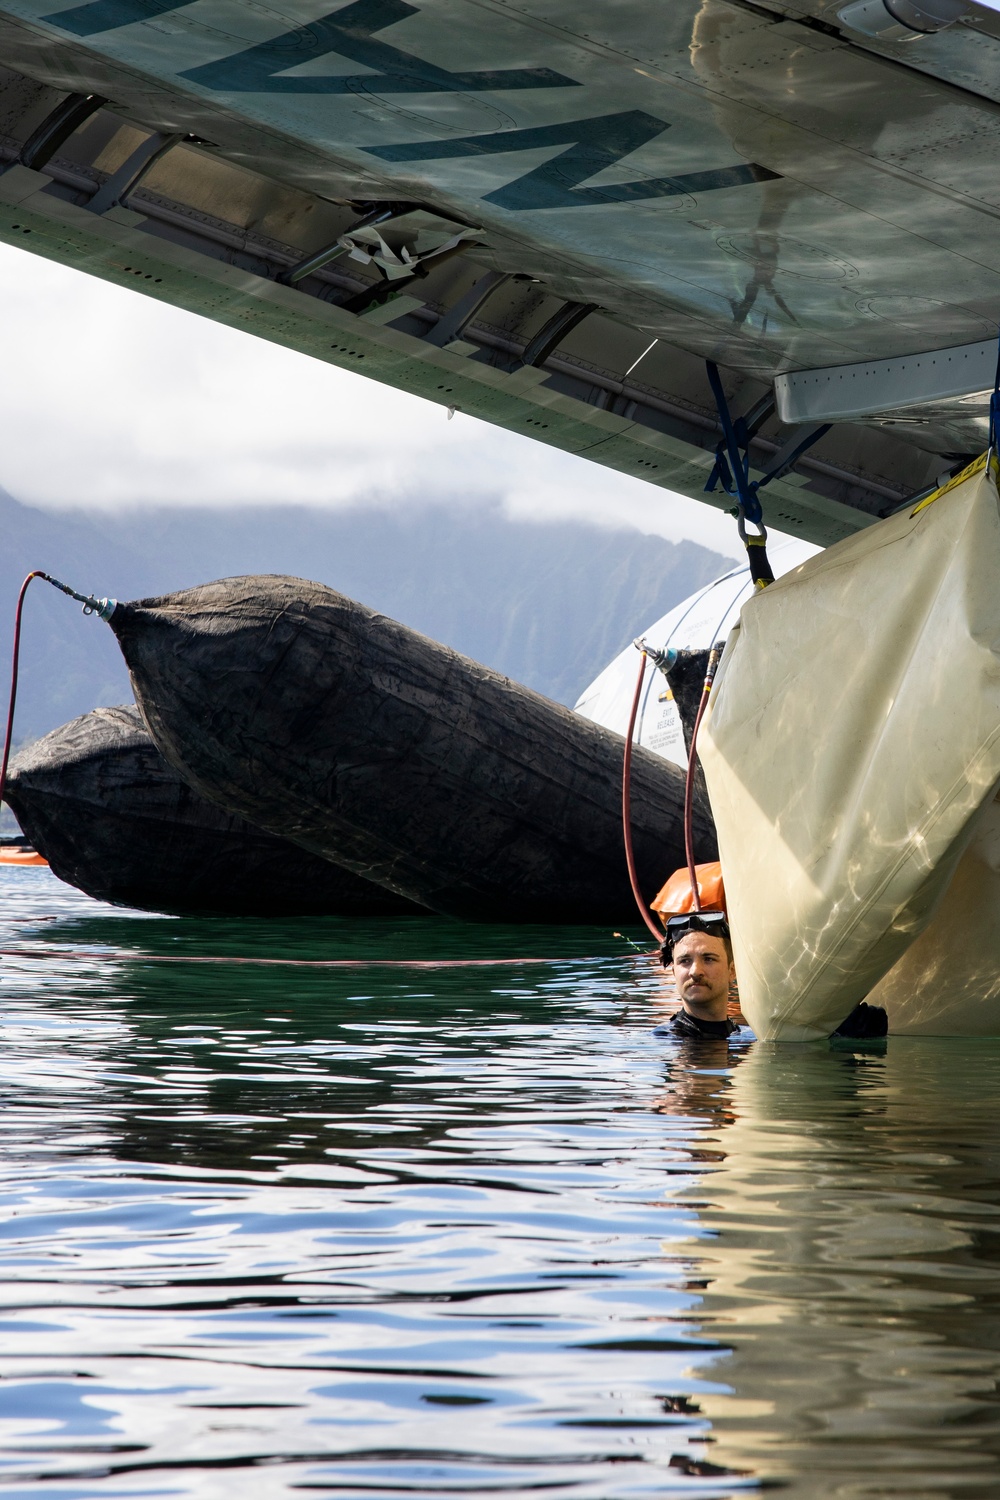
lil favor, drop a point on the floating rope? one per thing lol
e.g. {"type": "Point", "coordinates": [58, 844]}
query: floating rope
{"type": "Point", "coordinates": [294, 963]}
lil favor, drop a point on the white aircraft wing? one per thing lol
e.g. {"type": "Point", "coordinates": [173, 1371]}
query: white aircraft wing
{"type": "Point", "coordinates": [555, 214]}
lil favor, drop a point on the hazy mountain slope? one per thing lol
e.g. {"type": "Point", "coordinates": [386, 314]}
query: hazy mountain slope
{"type": "Point", "coordinates": [549, 605]}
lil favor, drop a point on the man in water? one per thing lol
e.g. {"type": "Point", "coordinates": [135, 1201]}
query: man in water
{"type": "Point", "coordinates": [699, 949]}
{"type": "Point", "coordinates": [701, 953]}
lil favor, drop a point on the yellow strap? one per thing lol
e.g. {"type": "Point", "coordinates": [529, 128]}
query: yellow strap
{"type": "Point", "coordinates": [977, 466]}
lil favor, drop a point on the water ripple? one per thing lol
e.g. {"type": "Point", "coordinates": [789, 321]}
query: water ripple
{"type": "Point", "coordinates": [454, 1232]}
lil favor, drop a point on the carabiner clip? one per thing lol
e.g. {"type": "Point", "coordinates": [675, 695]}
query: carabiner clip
{"type": "Point", "coordinates": [741, 527]}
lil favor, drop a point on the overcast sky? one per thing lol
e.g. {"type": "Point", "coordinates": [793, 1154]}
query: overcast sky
{"type": "Point", "coordinates": [110, 398]}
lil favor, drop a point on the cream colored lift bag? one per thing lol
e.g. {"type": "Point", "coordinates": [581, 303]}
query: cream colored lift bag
{"type": "Point", "coordinates": [948, 981]}
{"type": "Point", "coordinates": [852, 749]}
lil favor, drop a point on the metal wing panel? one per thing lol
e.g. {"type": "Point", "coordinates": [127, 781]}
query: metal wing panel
{"type": "Point", "coordinates": [761, 263]}
{"type": "Point", "coordinates": [736, 184]}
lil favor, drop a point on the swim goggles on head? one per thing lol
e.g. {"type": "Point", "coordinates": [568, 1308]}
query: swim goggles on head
{"type": "Point", "coordinates": [713, 923]}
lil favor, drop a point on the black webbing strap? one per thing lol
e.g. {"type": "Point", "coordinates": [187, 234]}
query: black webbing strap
{"type": "Point", "coordinates": [760, 567]}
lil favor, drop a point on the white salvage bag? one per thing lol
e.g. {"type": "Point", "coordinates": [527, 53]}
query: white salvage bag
{"type": "Point", "coordinates": [851, 748]}
{"type": "Point", "coordinates": [947, 983]}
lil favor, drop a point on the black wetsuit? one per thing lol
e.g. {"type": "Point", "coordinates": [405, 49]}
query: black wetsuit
{"type": "Point", "coordinates": [683, 1024]}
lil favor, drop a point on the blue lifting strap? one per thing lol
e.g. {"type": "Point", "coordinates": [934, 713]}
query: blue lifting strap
{"type": "Point", "coordinates": [732, 468]}
{"type": "Point", "coordinates": [995, 409]}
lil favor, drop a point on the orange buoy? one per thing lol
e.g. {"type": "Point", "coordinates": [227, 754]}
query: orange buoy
{"type": "Point", "coordinates": [17, 854]}
{"type": "Point", "coordinates": [675, 897]}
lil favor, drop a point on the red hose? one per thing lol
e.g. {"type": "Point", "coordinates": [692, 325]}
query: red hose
{"type": "Point", "coordinates": [13, 680]}
{"type": "Point", "coordinates": [713, 662]}
{"type": "Point", "coordinates": [103, 608]}
{"type": "Point", "coordinates": [689, 806]}
{"type": "Point", "coordinates": [644, 911]}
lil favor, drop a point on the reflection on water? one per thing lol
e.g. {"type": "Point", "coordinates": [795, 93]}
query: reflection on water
{"type": "Point", "coordinates": [396, 1232]}
{"type": "Point", "coordinates": [855, 1269]}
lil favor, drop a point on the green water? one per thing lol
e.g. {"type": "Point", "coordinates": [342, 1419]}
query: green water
{"type": "Point", "coordinates": [456, 1232]}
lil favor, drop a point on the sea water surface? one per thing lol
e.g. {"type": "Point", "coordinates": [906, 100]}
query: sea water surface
{"type": "Point", "coordinates": [395, 1232]}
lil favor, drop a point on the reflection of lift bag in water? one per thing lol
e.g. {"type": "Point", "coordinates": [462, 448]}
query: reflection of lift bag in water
{"type": "Point", "coordinates": [851, 746]}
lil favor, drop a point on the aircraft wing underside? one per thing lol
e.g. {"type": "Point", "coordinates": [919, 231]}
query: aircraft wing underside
{"type": "Point", "coordinates": [552, 213]}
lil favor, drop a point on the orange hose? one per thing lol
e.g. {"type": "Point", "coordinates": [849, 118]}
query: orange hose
{"type": "Point", "coordinates": [644, 911]}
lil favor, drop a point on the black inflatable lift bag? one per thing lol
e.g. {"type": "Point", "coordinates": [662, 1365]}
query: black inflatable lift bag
{"type": "Point", "coordinates": [98, 800]}
{"type": "Point", "coordinates": [686, 676]}
{"type": "Point", "coordinates": [329, 724]}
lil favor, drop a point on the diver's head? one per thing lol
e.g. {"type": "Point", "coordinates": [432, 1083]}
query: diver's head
{"type": "Point", "coordinates": [711, 923]}
{"type": "Point", "coordinates": [699, 948]}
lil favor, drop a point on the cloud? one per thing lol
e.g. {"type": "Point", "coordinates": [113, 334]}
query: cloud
{"type": "Point", "coordinates": [113, 399]}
